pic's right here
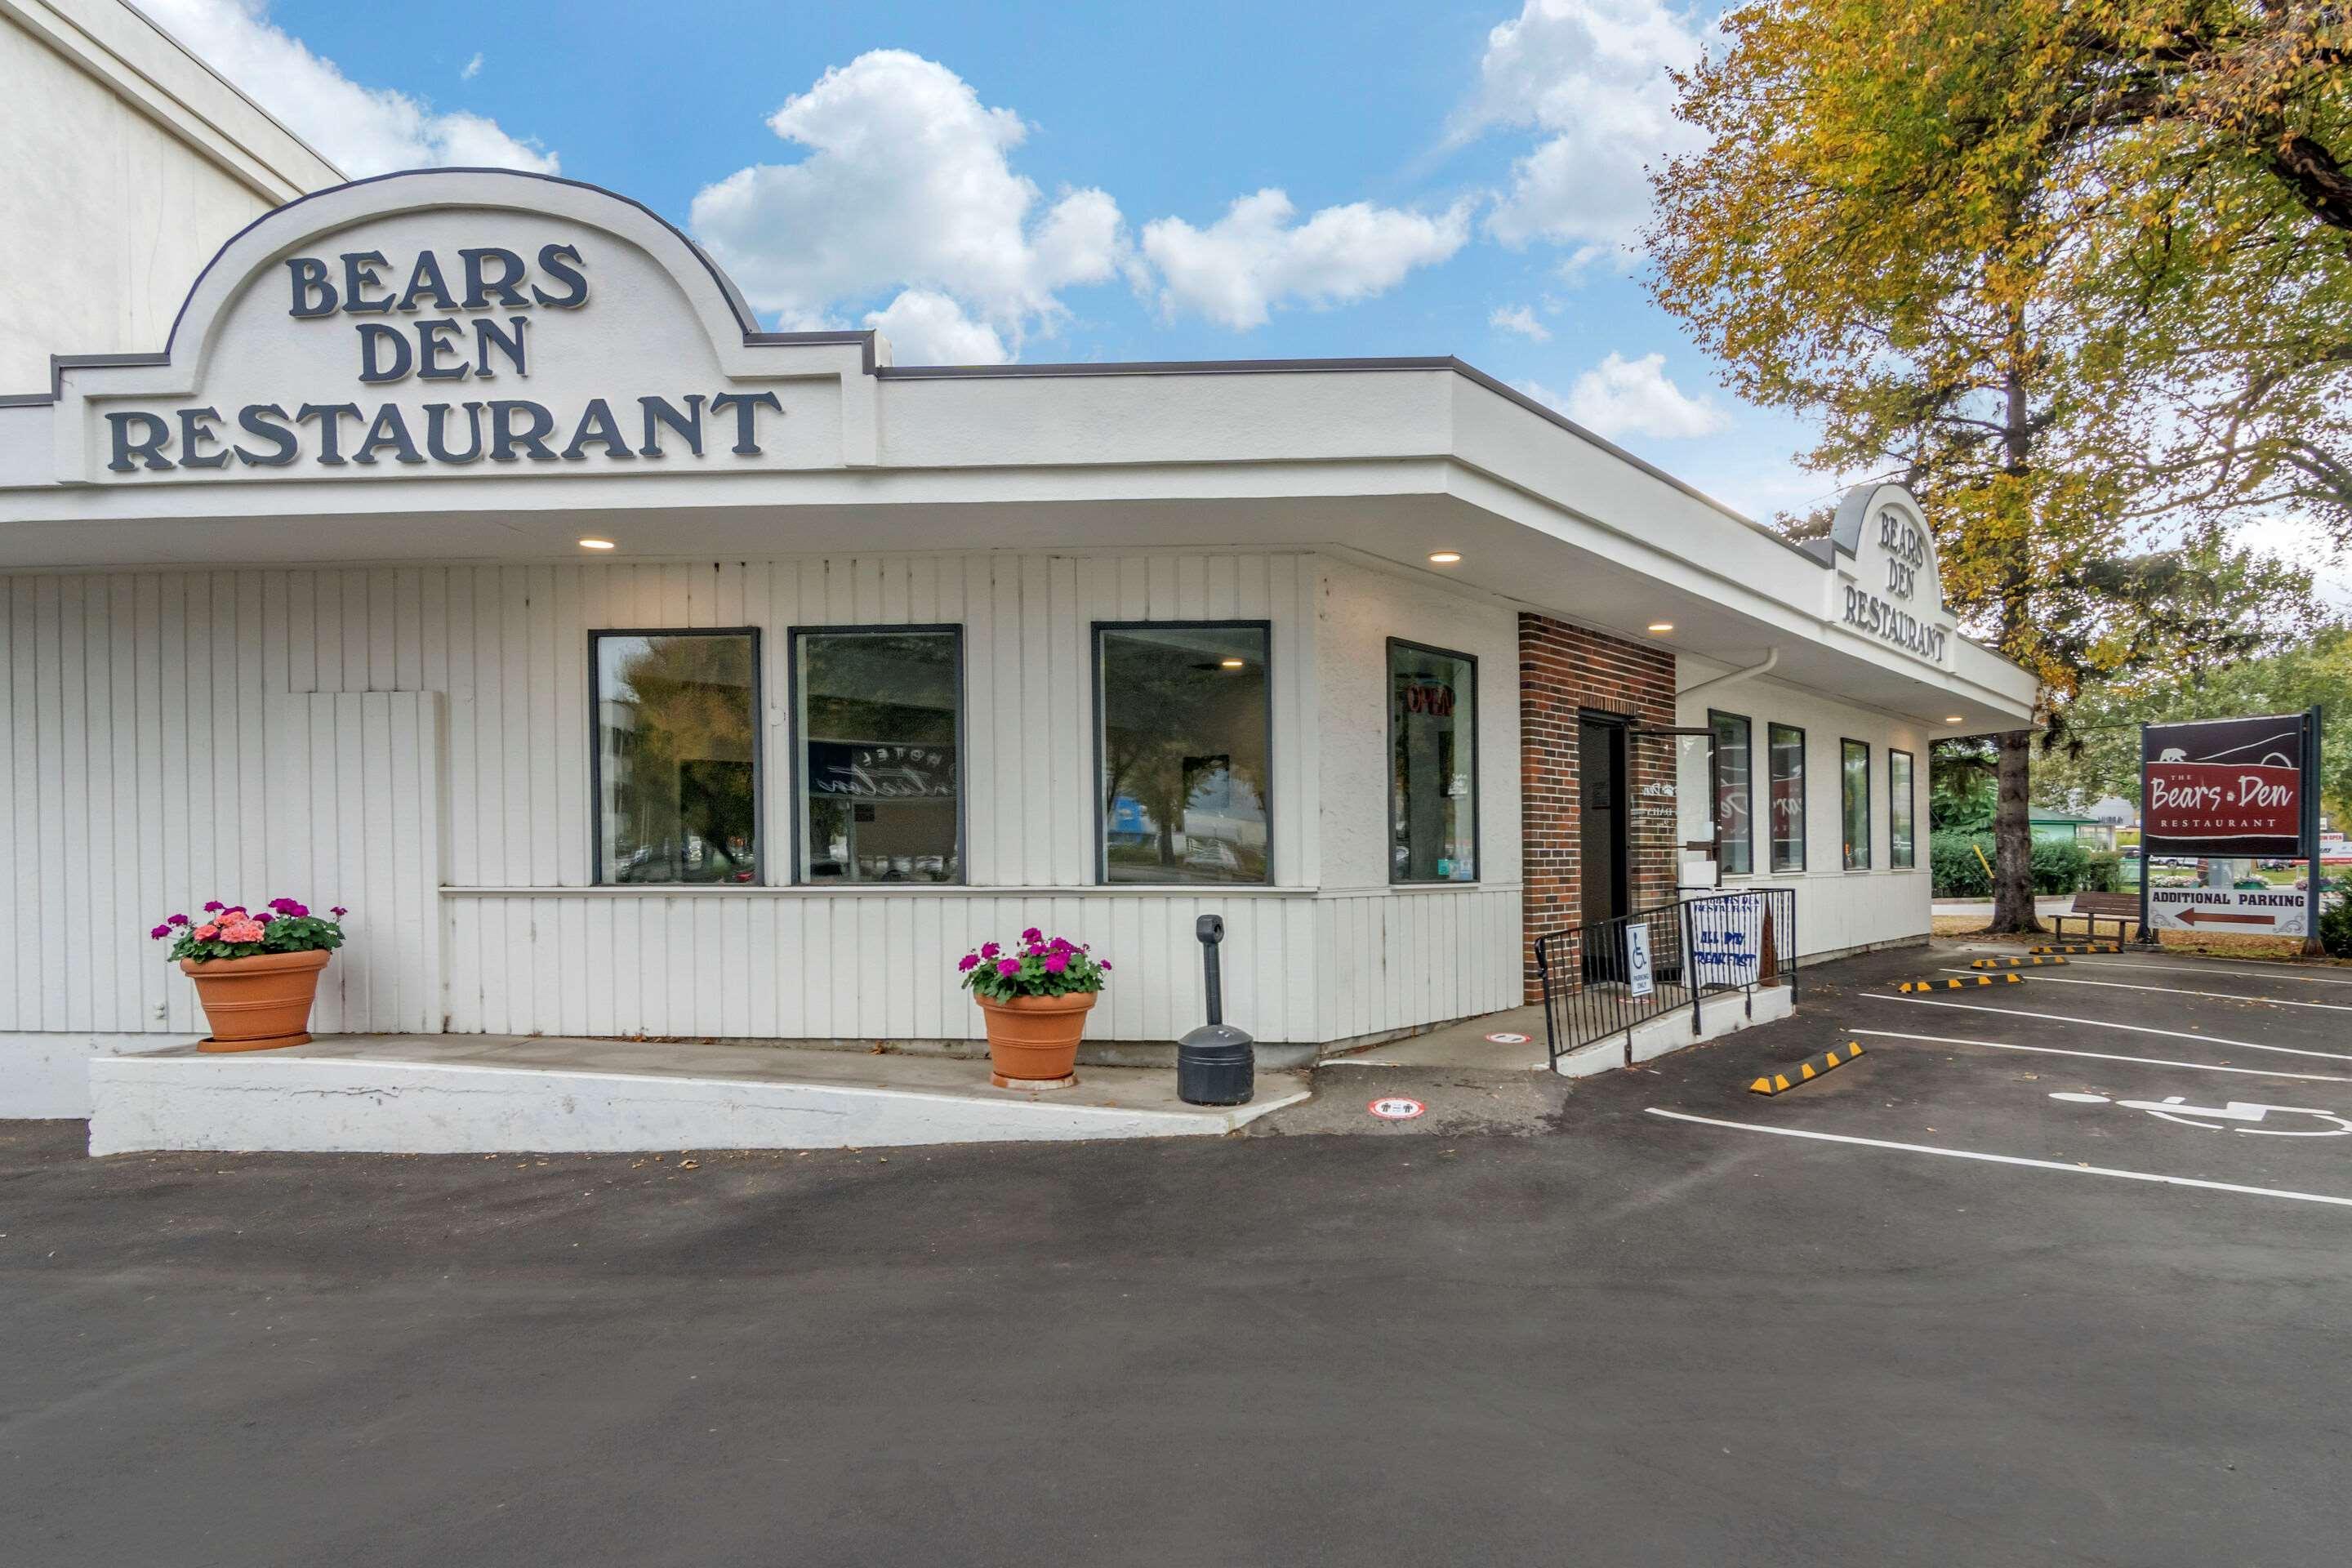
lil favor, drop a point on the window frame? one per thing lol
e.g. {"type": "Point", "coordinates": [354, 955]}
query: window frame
{"type": "Point", "coordinates": [1095, 776]}
{"type": "Point", "coordinates": [796, 742]}
{"type": "Point", "coordinates": [1773, 728]}
{"type": "Point", "coordinates": [1911, 809]}
{"type": "Point", "coordinates": [1714, 785]}
{"type": "Point", "coordinates": [1477, 799]}
{"type": "Point", "coordinates": [1847, 744]}
{"type": "Point", "coordinates": [596, 869]}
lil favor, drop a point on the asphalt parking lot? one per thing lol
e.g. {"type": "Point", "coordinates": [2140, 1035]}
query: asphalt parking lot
{"type": "Point", "coordinates": [2059, 1272]}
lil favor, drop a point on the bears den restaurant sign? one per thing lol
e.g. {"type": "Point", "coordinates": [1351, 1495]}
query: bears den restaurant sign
{"type": "Point", "coordinates": [2228, 789]}
{"type": "Point", "coordinates": [431, 320]}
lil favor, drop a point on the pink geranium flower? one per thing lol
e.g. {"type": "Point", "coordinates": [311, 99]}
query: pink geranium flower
{"type": "Point", "coordinates": [1057, 962]}
{"type": "Point", "coordinates": [1008, 966]}
{"type": "Point", "coordinates": [970, 961]}
{"type": "Point", "coordinates": [1032, 935]}
{"type": "Point", "coordinates": [339, 911]}
{"type": "Point", "coordinates": [213, 905]}
{"type": "Point", "coordinates": [990, 949]}
{"type": "Point", "coordinates": [206, 931]}
{"type": "Point", "coordinates": [242, 931]}
{"type": "Point", "coordinates": [159, 934]}
{"type": "Point", "coordinates": [175, 920]}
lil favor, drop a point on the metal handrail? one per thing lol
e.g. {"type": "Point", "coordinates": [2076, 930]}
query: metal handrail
{"type": "Point", "coordinates": [1602, 979]}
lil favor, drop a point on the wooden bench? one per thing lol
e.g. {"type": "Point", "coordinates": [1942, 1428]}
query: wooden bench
{"type": "Point", "coordinates": [2120, 911]}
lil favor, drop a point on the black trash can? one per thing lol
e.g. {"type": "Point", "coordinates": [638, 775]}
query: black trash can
{"type": "Point", "coordinates": [1215, 1064]}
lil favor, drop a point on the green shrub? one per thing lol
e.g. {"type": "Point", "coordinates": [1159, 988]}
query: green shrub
{"type": "Point", "coordinates": [1952, 865]}
{"type": "Point", "coordinates": [2335, 921]}
{"type": "Point", "coordinates": [2103, 872]}
{"type": "Point", "coordinates": [2059, 866]}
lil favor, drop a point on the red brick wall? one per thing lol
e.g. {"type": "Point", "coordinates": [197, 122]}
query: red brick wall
{"type": "Point", "coordinates": [1564, 669]}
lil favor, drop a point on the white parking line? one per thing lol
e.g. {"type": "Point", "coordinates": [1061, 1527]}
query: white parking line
{"type": "Point", "coordinates": [2008, 1160]}
{"type": "Point", "coordinates": [2174, 990]}
{"type": "Point", "coordinates": [2268, 972]}
{"type": "Point", "coordinates": [2104, 1023]}
{"type": "Point", "coordinates": [2095, 1055]}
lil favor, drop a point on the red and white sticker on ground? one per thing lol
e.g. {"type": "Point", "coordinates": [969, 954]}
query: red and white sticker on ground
{"type": "Point", "coordinates": [1507, 1040]}
{"type": "Point", "coordinates": [1396, 1108]}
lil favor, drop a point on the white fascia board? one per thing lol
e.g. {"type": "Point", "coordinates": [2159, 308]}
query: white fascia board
{"type": "Point", "coordinates": [119, 45]}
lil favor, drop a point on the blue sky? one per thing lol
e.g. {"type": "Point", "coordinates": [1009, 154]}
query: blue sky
{"type": "Point", "coordinates": [1059, 181]}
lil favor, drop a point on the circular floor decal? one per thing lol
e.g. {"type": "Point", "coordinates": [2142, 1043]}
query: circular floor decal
{"type": "Point", "coordinates": [1396, 1108]}
{"type": "Point", "coordinates": [1508, 1040]}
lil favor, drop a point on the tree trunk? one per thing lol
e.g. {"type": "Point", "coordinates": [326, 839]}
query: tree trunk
{"type": "Point", "coordinates": [2012, 840]}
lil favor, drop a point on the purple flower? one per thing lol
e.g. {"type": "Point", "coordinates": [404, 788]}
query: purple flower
{"type": "Point", "coordinates": [1007, 966]}
{"type": "Point", "coordinates": [970, 961]}
{"type": "Point", "coordinates": [1056, 963]}
{"type": "Point", "coordinates": [1032, 935]}
{"type": "Point", "coordinates": [264, 919]}
{"type": "Point", "coordinates": [159, 934]}
{"type": "Point", "coordinates": [1060, 944]}
{"type": "Point", "coordinates": [990, 949]}
{"type": "Point", "coordinates": [177, 921]}
{"type": "Point", "coordinates": [1106, 963]}
{"type": "Point", "coordinates": [295, 909]}
{"type": "Point", "coordinates": [339, 911]}
{"type": "Point", "coordinates": [213, 905]}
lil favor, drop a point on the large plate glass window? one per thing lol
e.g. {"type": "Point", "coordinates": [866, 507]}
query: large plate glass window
{"type": "Point", "coordinates": [678, 755]}
{"type": "Point", "coordinates": [1735, 826]}
{"type": "Point", "coordinates": [880, 727]}
{"type": "Point", "coordinates": [1433, 766]}
{"type": "Point", "coordinates": [1785, 744]}
{"type": "Point", "coordinates": [1183, 750]}
{"type": "Point", "coordinates": [1902, 847]}
{"type": "Point", "coordinates": [1853, 802]}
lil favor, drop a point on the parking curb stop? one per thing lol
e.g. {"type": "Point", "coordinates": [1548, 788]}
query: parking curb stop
{"type": "Point", "coordinates": [2012, 962]}
{"type": "Point", "coordinates": [1959, 983]}
{"type": "Point", "coordinates": [2082, 947]}
{"type": "Point", "coordinates": [1805, 1071]}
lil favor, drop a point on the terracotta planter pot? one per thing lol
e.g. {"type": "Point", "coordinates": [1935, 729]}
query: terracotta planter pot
{"type": "Point", "coordinates": [1033, 1041]}
{"type": "Point", "coordinates": [257, 1003]}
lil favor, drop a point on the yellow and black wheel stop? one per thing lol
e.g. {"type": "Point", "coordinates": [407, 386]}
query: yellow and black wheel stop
{"type": "Point", "coordinates": [2082, 947]}
{"type": "Point", "coordinates": [1805, 1071]}
{"type": "Point", "coordinates": [2013, 962]}
{"type": "Point", "coordinates": [1959, 983]}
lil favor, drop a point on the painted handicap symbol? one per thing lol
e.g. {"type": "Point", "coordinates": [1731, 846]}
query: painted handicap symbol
{"type": "Point", "coordinates": [2237, 1115]}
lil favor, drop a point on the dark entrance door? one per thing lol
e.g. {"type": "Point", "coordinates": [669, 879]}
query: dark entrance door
{"type": "Point", "coordinates": [1601, 770]}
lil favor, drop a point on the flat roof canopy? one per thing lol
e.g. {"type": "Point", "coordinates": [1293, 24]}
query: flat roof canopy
{"type": "Point", "coordinates": [592, 374]}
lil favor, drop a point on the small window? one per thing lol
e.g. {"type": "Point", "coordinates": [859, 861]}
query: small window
{"type": "Point", "coordinates": [1735, 824]}
{"type": "Point", "coordinates": [1433, 766]}
{"type": "Point", "coordinates": [1183, 744]}
{"type": "Point", "coordinates": [880, 713]}
{"type": "Point", "coordinates": [1787, 761]}
{"type": "Point", "coordinates": [1854, 802]}
{"type": "Point", "coordinates": [1902, 852]}
{"type": "Point", "coordinates": [677, 755]}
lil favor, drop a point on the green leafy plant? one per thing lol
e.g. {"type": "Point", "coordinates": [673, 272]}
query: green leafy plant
{"type": "Point", "coordinates": [1035, 965]}
{"type": "Point", "coordinates": [2336, 920]}
{"type": "Point", "coordinates": [231, 931]}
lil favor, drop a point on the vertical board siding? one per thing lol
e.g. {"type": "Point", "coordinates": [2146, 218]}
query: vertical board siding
{"type": "Point", "coordinates": [371, 735]}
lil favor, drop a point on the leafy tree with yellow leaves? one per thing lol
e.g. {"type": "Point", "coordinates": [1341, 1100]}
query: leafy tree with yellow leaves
{"type": "Point", "coordinates": [1890, 228]}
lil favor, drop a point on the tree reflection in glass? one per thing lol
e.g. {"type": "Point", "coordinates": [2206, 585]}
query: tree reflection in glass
{"type": "Point", "coordinates": [676, 746]}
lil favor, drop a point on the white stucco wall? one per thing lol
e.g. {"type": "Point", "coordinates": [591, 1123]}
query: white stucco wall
{"type": "Point", "coordinates": [1837, 910]}
{"type": "Point", "coordinates": [127, 165]}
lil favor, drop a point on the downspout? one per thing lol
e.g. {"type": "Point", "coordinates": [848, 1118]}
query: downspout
{"type": "Point", "coordinates": [1728, 676]}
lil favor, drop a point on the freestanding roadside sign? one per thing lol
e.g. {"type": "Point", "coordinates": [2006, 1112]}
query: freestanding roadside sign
{"type": "Point", "coordinates": [2231, 787]}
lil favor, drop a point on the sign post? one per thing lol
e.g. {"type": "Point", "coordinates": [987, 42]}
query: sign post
{"type": "Point", "coordinates": [2227, 788]}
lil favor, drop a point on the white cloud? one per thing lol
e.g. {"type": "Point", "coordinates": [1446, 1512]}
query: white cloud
{"type": "Point", "coordinates": [926, 327]}
{"type": "Point", "coordinates": [1521, 320]}
{"type": "Point", "coordinates": [1632, 397]}
{"type": "Point", "coordinates": [1236, 270]}
{"type": "Point", "coordinates": [907, 187]}
{"type": "Point", "coordinates": [471, 68]}
{"type": "Point", "coordinates": [362, 130]}
{"type": "Point", "coordinates": [1590, 77]}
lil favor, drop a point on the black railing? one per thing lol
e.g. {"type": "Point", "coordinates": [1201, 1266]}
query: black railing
{"type": "Point", "coordinates": [1604, 978]}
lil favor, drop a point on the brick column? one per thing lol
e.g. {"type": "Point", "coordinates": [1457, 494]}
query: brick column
{"type": "Point", "coordinates": [1565, 671]}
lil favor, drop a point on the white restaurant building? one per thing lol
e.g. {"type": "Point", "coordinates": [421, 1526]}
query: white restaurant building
{"type": "Point", "coordinates": [464, 553]}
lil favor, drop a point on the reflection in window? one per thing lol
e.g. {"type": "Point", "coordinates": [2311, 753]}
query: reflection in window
{"type": "Point", "coordinates": [1183, 752]}
{"type": "Point", "coordinates": [677, 756]}
{"type": "Point", "coordinates": [1903, 855]}
{"type": "Point", "coordinates": [880, 717]}
{"type": "Point", "coordinates": [1787, 761]}
{"type": "Point", "coordinates": [1433, 766]}
{"type": "Point", "coordinates": [1735, 828]}
{"type": "Point", "coordinates": [1854, 802]}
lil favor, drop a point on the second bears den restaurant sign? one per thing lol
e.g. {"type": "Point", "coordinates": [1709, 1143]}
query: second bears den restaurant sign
{"type": "Point", "coordinates": [2231, 789]}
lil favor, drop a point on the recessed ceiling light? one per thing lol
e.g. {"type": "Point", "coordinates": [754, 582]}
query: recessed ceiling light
{"type": "Point", "coordinates": [1661, 625]}
{"type": "Point", "coordinates": [595, 545]}
{"type": "Point", "coordinates": [1956, 719]}
{"type": "Point", "coordinates": [1444, 557]}
{"type": "Point", "coordinates": [1232, 663]}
